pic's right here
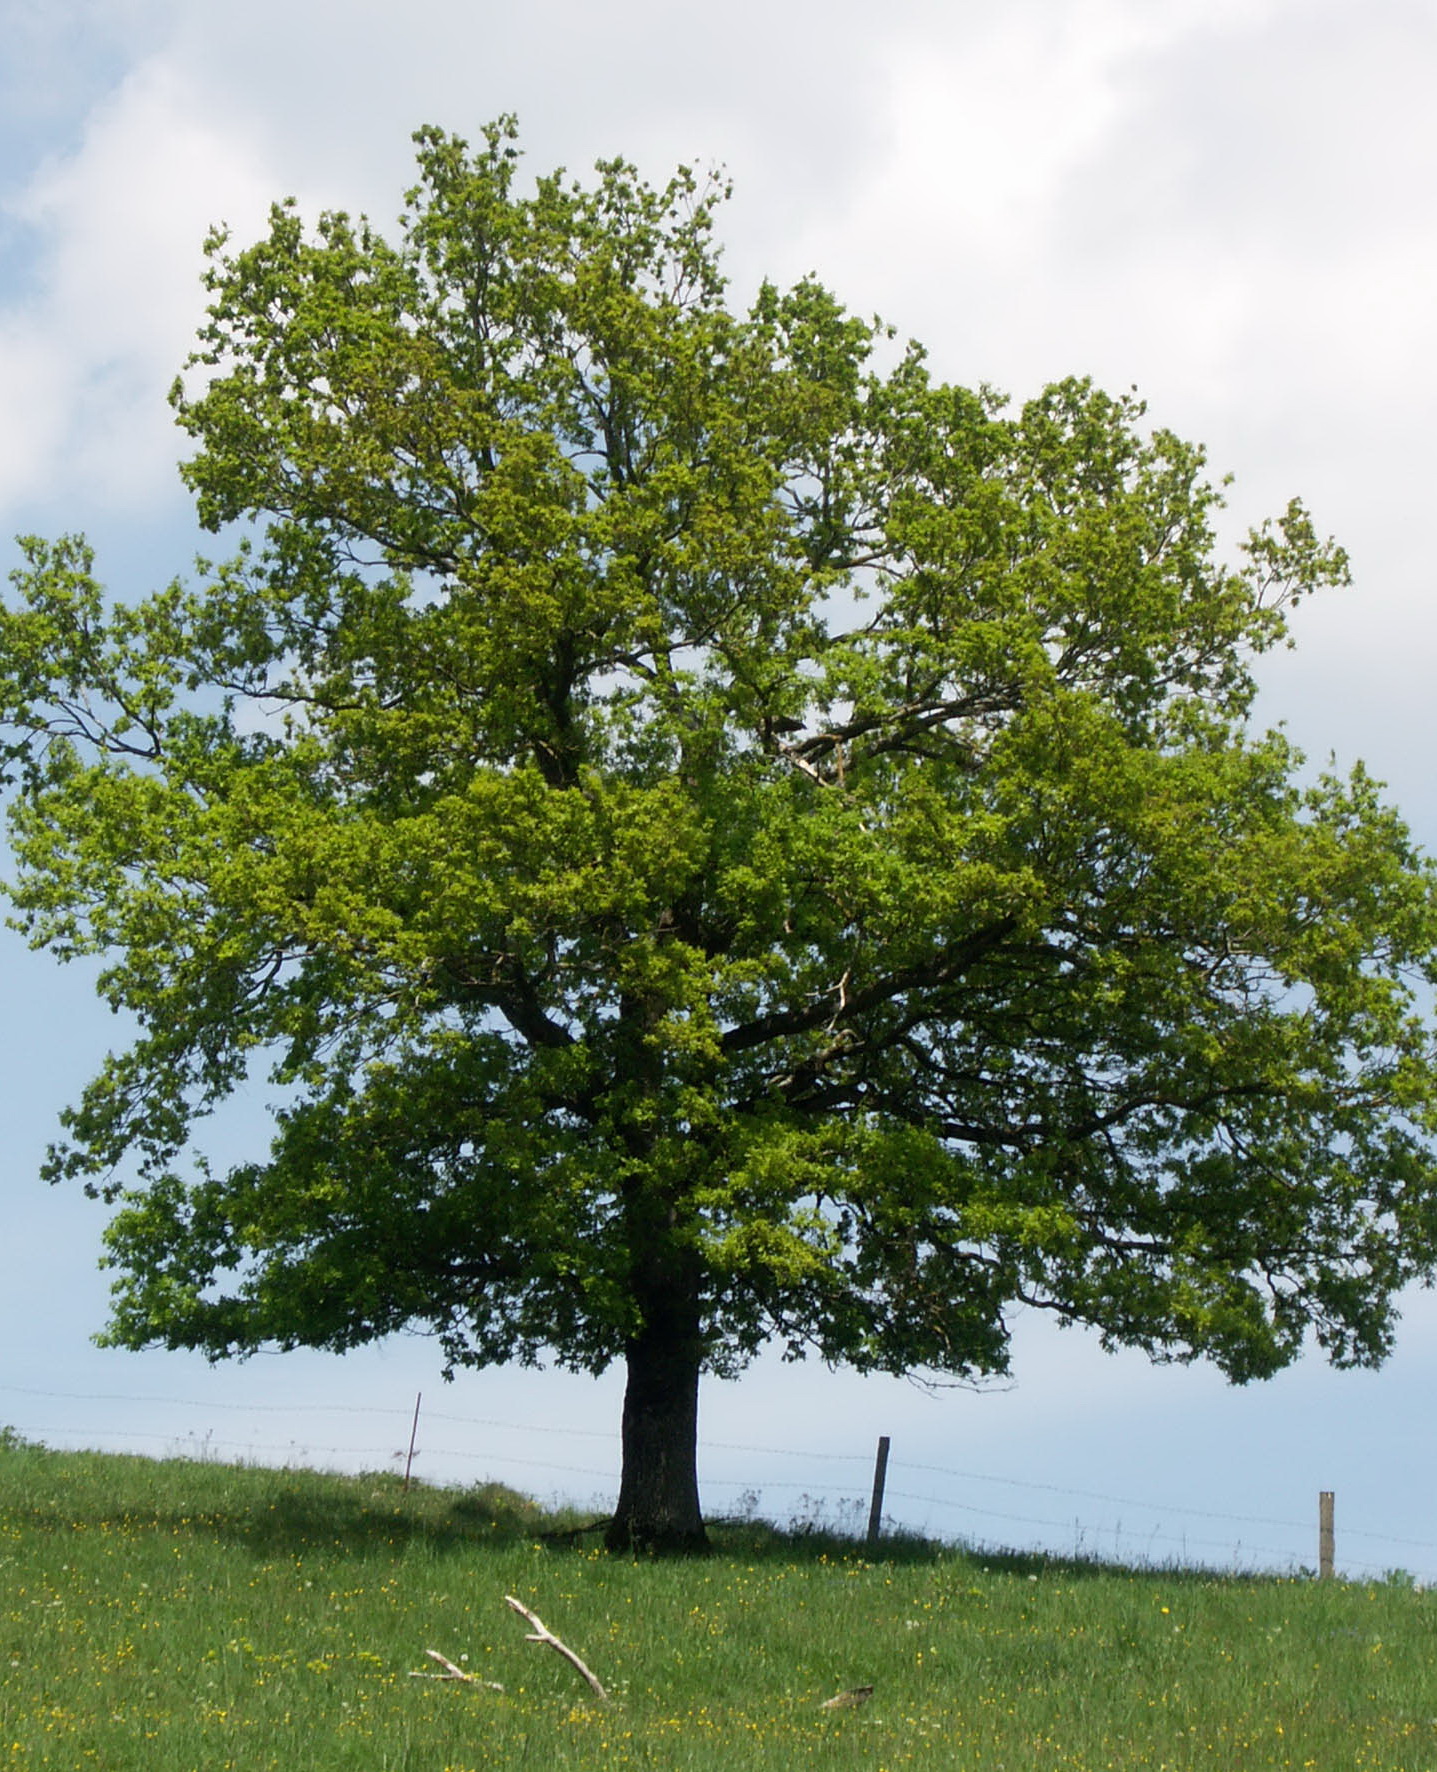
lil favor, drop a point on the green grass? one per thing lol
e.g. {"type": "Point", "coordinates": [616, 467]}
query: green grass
{"type": "Point", "coordinates": [190, 1617]}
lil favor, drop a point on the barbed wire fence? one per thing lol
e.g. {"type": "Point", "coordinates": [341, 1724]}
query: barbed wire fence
{"type": "Point", "coordinates": [960, 1497]}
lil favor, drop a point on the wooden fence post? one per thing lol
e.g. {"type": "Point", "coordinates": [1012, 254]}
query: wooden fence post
{"type": "Point", "coordinates": [1325, 1543]}
{"type": "Point", "coordinates": [413, 1433]}
{"type": "Point", "coordinates": [880, 1474]}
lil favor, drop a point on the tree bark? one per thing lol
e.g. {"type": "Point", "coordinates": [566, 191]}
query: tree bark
{"type": "Point", "coordinates": [658, 1509]}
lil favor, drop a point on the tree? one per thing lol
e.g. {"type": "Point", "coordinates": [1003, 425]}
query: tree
{"type": "Point", "coordinates": [717, 838]}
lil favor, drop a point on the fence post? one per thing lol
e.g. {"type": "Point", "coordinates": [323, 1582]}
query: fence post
{"type": "Point", "coordinates": [1325, 1535]}
{"type": "Point", "coordinates": [880, 1473]}
{"type": "Point", "coordinates": [413, 1432]}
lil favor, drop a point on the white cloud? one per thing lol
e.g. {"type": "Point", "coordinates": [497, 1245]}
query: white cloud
{"type": "Point", "coordinates": [1226, 205]}
{"type": "Point", "coordinates": [226, 109]}
{"type": "Point", "coordinates": [786, 95]}
{"type": "Point", "coordinates": [1221, 201]}
{"type": "Point", "coordinates": [88, 349]}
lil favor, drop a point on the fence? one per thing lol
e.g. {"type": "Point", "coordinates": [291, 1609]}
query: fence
{"type": "Point", "coordinates": [841, 1489]}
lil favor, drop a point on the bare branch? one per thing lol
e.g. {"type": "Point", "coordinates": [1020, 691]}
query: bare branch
{"type": "Point", "coordinates": [542, 1634]}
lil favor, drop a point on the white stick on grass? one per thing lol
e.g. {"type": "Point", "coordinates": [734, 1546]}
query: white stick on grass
{"type": "Point", "coordinates": [455, 1673]}
{"type": "Point", "coordinates": [540, 1633]}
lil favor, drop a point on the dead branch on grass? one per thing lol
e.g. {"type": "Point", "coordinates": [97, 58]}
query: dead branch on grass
{"type": "Point", "coordinates": [540, 1633]}
{"type": "Point", "coordinates": [454, 1673]}
{"type": "Point", "coordinates": [567, 1534]}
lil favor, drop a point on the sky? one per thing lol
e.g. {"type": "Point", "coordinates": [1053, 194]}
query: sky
{"type": "Point", "coordinates": [1224, 203]}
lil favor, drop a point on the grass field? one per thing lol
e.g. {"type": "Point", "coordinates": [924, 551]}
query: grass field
{"type": "Point", "coordinates": [190, 1617]}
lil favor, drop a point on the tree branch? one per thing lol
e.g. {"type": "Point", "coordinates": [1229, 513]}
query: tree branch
{"type": "Point", "coordinates": [943, 969]}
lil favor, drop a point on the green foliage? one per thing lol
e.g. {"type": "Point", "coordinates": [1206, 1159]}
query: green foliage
{"type": "Point", "coordinates": [710, 832]}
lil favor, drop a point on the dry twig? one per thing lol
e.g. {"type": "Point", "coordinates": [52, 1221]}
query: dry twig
{"type": "Point", "coordinates": [540, 1633]}
{"type": "Point", "coordinates": [567, 1534]}
{"type": "Point", "coordinates": [455, 1673]}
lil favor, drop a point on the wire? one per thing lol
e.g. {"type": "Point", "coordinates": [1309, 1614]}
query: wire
{"type": "Point", "coordinates": [511, 1459]}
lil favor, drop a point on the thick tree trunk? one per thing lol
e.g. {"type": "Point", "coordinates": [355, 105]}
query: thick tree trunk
{"type": "Point", "coordinates": [658, 1508]}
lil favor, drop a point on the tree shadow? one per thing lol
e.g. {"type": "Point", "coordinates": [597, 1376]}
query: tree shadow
{"type": "Point", "coordinates": [260, 1509]}
{"type": "Point", "coordinates": [289, 1512]}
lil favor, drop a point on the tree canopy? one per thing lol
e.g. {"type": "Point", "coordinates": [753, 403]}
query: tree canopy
{"type": "Point", "coordinates": [716, 838]}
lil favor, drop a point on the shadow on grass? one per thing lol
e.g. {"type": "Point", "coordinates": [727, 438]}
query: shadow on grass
{"type": "Point", "coordinates": [271, 1512]}
{"type": "Point", "coordinates": [376, 1515]}
{"type": "Point", "coordinates": [759, 1541]}
{"type": "Point", "coordinates": [756, 1540]}
{"type": "Point", "coordinates": [267, 1511]}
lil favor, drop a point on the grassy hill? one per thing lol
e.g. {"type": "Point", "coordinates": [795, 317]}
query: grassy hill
{"type": "Point", "coordinates": [190, 1617]}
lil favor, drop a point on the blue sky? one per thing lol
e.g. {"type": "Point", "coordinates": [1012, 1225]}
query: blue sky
{"type": "Point", "coordinates": [1224, 202]}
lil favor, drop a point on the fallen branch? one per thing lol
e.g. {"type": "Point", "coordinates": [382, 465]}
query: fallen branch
{"type": "Point", "coordinates": [540, 1633]}
{"type": "Point", "coordinates": [567, 1534]}
{"type": "Point", "coordinates": [454, 1673]}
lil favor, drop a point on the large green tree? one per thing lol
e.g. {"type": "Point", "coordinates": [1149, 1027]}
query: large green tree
{"type": "Point", "coordinates": [717, 838]}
